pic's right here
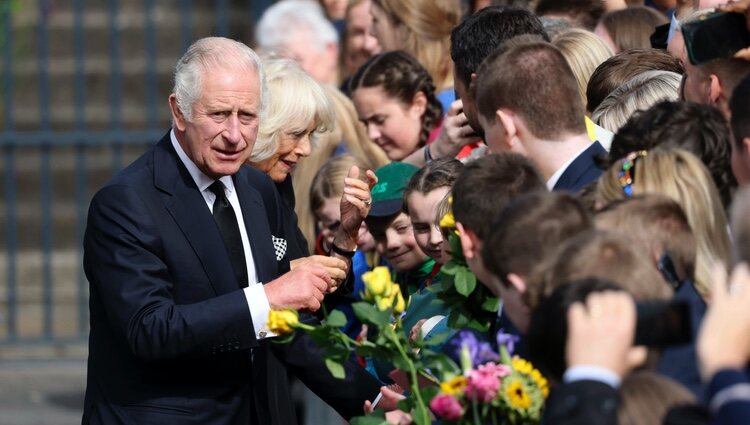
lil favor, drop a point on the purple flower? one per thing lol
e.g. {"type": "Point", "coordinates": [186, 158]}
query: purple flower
{"type": "Point", "coordinates": [447, 407]}
{"type": "Point", "coordinates": [484, 382]}
{"type": "Point", "coordinates": [479, 351]}
{"type": "Point", "coordinates": [507, 340]}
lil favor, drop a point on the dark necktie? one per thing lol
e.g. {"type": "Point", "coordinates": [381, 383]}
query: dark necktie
{"type": "Point", "coordinates": [230, 232]}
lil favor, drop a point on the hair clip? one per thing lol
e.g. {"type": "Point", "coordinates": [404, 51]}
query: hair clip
{"type": "Point", "coordinates": [627, 172]}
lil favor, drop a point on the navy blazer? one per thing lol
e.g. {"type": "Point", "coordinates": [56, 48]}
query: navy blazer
{"type": "Point", "coordinates": [583, 170]}
{"type": "Point", "coordinates": [171, 337]}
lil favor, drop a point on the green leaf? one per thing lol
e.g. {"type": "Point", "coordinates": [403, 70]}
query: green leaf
{"type": "Point", "coordinates": [336, 319]}
{"type": "Point", "coordinates": [449, 268]}
{"type": "Point", "coordinates": [491, 304]}
{"type": "Point", "coordinates": [336, 368]}
{"type": "Point", "coordinates": [368, 313]}
{"type": "Point", "coordinates": [462, 283]}
{"type": "Point", "coordinates": [458, 319]}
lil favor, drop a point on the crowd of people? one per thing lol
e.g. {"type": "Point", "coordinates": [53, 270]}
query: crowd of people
{"type": "Point", "coordinates": [593, 171]}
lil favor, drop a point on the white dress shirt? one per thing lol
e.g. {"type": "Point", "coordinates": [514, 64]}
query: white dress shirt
{"type": "Point", "coordinates": [257, 301]}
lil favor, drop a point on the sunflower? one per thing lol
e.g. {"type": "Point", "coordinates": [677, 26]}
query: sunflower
{"type": "Point", "coordinates": [516, 394]}
{"type": "Point", "coordinates": [454, 386]}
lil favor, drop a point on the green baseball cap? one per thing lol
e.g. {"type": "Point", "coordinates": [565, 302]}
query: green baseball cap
{"type": "Point", "coordinates": [388, 194]}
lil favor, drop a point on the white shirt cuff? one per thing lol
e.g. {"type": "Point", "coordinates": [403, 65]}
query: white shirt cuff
{"type": "Point", "coordinates": [429, 324]}
{"type": "Point", "coordinates": [592, 373]}
{"type": "Point", "coordinates": [259, 307]}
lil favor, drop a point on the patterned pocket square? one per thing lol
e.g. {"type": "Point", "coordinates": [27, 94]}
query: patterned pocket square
{"type": "Point", "coordinates": [279, 245]}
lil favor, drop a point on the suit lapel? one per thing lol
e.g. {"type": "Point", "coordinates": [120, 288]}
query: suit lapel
{"type": "Point", "coordinates": [188, 209]}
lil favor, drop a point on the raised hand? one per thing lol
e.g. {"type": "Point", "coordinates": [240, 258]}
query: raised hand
{"type": "Point", "coordinates": [724, 338]}
{"type": "Point", "coordinates": [601, 332]}
{"type": "Point", "coordinates": [355, 205]}
{"type": "Point", "coordinates": [455, 134]}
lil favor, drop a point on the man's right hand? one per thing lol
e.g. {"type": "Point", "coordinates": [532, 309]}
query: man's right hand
{"type": "Point", "coordinates": [301, 289]}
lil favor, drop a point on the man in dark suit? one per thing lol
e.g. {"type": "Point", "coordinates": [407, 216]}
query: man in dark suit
{"type": "Point", "coordinates": [528, 102]}
{"type": "Point", "coordinates": [178, 304]}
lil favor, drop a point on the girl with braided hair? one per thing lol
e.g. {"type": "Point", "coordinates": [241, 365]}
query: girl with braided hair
{"type": "Point", "coordinates": [395, 98]}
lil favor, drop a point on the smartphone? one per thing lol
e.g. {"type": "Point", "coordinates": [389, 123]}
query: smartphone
{"type": "Point", "coordinates": [716, 35]}
{"type": "Point", "coordinates": [663, 323]}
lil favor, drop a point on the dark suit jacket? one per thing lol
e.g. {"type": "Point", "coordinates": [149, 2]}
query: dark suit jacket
{"type": "Point", "coordinates": [734, 410]}
{"type": "Point", "coordinates": [581, 403]}
{"type": "Point", "coordinates": [583, 170]}
{"type": "Point", "coordinates": [171, 338]}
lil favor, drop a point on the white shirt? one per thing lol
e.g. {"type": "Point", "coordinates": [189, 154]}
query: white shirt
{"type": "Point", "coordinates": [257, 301]}
{"type": "Point", "coordinates": [552, 181]}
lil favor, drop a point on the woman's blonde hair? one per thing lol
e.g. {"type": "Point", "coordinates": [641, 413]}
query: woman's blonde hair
{"type": "Point", "coordinates": [425, 27]}
{"type": "Point", "coordinates": [637, 94]}
{"type": "Point", "coordinates": [584, 51]}
{"type": "Point", "coordinates": [681, 176]}
{"type": "Point", "coordinates": [632, 27]}
{"type": "Point", "coordinates": [346, 134]}
{"type": "Point", "coordinates": [295, 101]}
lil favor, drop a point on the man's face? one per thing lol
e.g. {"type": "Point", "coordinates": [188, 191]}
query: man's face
{"type": "Point", "coordinates": [494, 134]}
{"type": "Point", "coordinates": [695, 86]}
{"type": "Point", "coordinates": [320, 63]}
{"type": "Point", "coordinates": [470, 108]}
{"type": "Point", "coordinates": [220, 136]}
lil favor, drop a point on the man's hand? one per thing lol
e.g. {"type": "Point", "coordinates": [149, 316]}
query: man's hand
{"type": "Point", "coordinates": [742, 7]}
{"type": "Point", "coordinates": [301, 289]}
{"type": "Point", "coordinates": [355, 205]}
{"type": "Point", "coordinates": [455, 134]}
{"type": "Point", "coordinates": [335, 267]}
{"type": "Point", "coordinates": [601, 332]}
{"type": "Point", "coordinates": [724, 338]}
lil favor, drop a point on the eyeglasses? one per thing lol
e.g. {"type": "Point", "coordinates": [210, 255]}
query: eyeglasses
{"type": "Point", "coordinates": [627, 172]}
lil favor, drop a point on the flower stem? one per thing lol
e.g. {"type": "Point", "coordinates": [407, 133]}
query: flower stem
{"type": "Point", "coordinates": [421, 416]}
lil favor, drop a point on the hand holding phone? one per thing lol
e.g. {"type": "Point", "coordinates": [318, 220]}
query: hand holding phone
{"type": "Point", "coordinates": [714, 36]}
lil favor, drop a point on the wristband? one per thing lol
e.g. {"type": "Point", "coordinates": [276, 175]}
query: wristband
{"type": "Point", "coordinates": [342, 252]}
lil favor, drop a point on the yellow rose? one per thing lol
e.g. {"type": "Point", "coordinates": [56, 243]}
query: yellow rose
{"type": "Point", "coordinates": [448, 221]}
{"type": "Point", "coordinates": [282, 322]}
{"type": "Point", "coordinates": [400, 303]}
{"type": "Point", "coordinates": [377, 282]}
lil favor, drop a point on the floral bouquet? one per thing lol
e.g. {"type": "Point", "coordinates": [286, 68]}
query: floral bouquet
{"type": "Point", "coordinates": [472, 305]}
{"type": "Point", "coordinates": [486, 388]}
{"type": "Point", "coordinates": [381, 309]}
{"type": "Point", "coordinates": [508, 390]}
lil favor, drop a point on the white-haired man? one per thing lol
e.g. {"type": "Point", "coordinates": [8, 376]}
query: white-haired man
{"type": "Point", "coordinates": [184, 258]}
{"type": "Point", "coordinates": [299, 30]}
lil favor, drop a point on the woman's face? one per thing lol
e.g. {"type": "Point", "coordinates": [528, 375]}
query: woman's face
{"type": "Point", "coordinates": [335, 9]}
{"type": "Point", "coordinates": [384, 29]}
{"type": "Point", "coordinates": [422, 212]}
{"type": "Point", "coordinates": [361, 43]}
{"type": "Point", "coordinates": [397, 245]}
{"type": "Point", "coordinates": [393, 126]}
{"type": "Point", "coordinates": [292, 147]}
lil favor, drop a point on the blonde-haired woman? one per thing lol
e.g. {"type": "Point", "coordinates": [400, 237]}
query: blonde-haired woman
{"type": "Point", "coordinates": [583, 51]}
{"type": "Point", "coordinates": [297, 112]}
{"type": "Point", "coordinates": [680, 175]}
{"type": "Point", "coordinates": [422, 28]}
